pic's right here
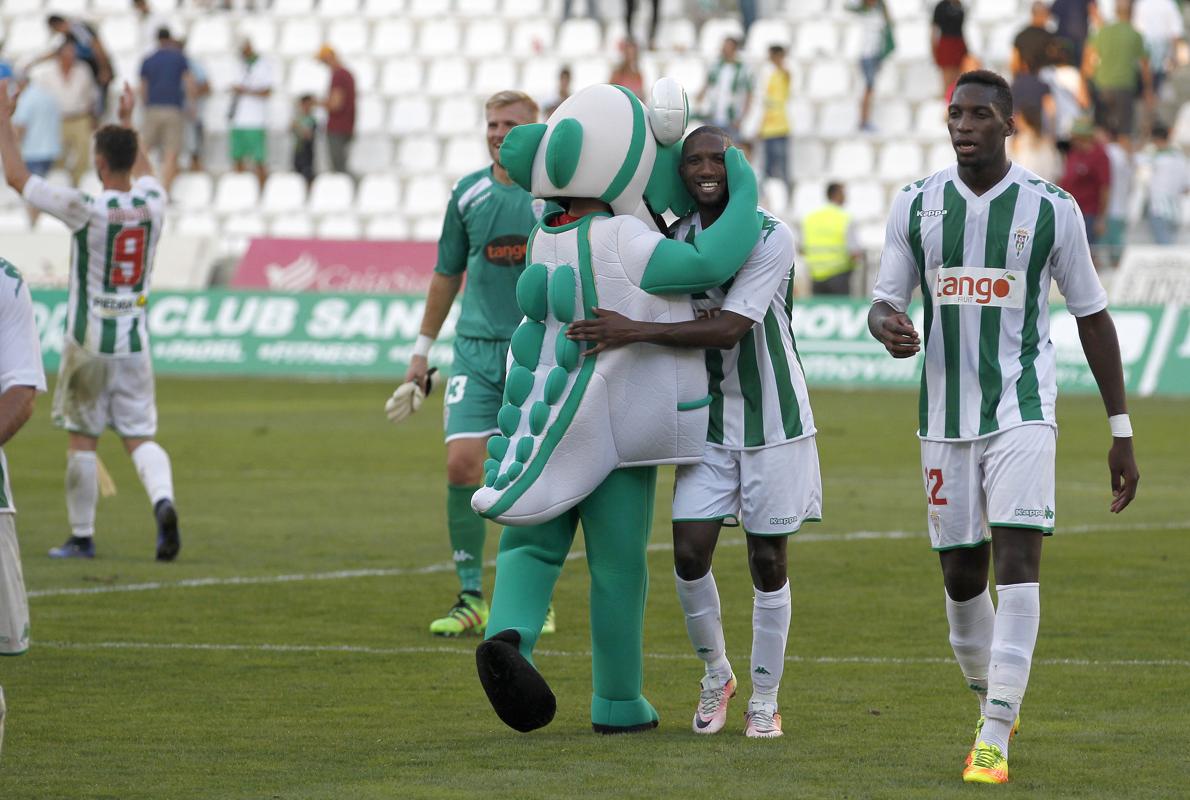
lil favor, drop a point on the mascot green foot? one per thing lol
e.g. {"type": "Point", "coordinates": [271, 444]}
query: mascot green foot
{"type": "Point", "coordinates": [622, 716]}
{"type": "Point", "coordinates": [519, 695]}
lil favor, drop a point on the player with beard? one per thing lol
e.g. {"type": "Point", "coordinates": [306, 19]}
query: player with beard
{"type": "Point", "coordinates": [983, 239]}
{"type": "Point", "coordinates": [761, 462]}
{"type": "Point", "coordinates": [484, 234]}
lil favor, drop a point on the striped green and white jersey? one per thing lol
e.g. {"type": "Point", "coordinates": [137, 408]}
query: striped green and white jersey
{"type": "Point", "coordinates": [984, 265]}
{"type": "Point", "coordinates": [758, 390]}
{"type": "Point", "coordinates": [20, 353]}
{"type": "Point", "coordinates": [111, 259]}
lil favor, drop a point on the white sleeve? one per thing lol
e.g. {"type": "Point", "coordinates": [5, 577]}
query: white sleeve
{"type": "Point", "coordinates": [768, 264]}
{"type": "Point", "coordinates": [898, 268]}
{"type": "Point", "coordinates": [63, 202]}
{"type": "Point", "coordinates": [20, 349]}
{"type": "Point", "coordinates": [149, 184]}
{"type": "Point", "coordinates": [1071, 263]}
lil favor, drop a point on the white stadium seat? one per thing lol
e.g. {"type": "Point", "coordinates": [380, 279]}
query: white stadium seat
{"type": "Point", "coordinates": [424, 9]}
{"type": "Point", "coordinates": [261, 30]}
{"type": "Point", "coordinates": [828, 80]}
{"type": "Point", "coordinates": [867, 200]}
{"type": "Point", "coordinates": [292, 226]}
{"type": "Point", "coordinates": [392, 37]}
{"type": "Point", "coordinates": [676, 35]}
{"type": "Point", "coordinates": [192, 191]}
{"type": "Point", "coordinates": [292, 8]}
{"type": "Point", "coordinates": [300, 37]}
{"type": "Point", "coordinates": [26, 36]}
{"type": "Point", "coordinates": [418, 154]}
{"type": "Point", "coordinates": [379, 193]}
{"type": "Point", "coordinates": [340, 226]}
{"type": "Point", "coordinates": [775, 196]}
{"type": "Point", "coordinates": [485, 37]}
{"type": "Point", "coordinates": [284, 193]}
{"type": "Point", "coordinates": [532, 37]}
{"type": "Point", "coordinates": [477, 8]}
{"type": "Point", "coordinates": [690, 71]}
{"type": "Point", "coordinates": [349, 36]}
{"type": "Point", "coordinates": [331, 193]}
{"type": "Point", "coordinates": [893, 117]}
{"type": "Point", "coordinates": [412, 114]}
{"type": "Point", "coordinates": [913, 40]}
{"type": "Point", "coordinates": [514, 9]}
{"type": "Point", "coordinates": [338, 9]}
{"type": "Point", "coordinates": [121, 34]}
{"type": "Point", "coordinates": [539, 77]}
{"type": "Point", "coordinates": [214, 115]}
{"type": "Point", "coordinates": [15, 8]}
{"type": "Point", "coordinates": [196, 224]}
{"type": "Point", "coordinates": [369, 154]}
{"type": "Point", "coordinates": [307, 75]}
{"type": "Point", "coordinates": [427, 228]}
{"type": "Point", "coordinates": [851, 158]}
{"type": "Point", "coordinates": [386, 228]}
{"type": "Point", "coordinates": [439, 37]}
{"type": "Point", "coordinates": [807, 196]}
{"type": "Point", "coordinates": [365, 72]}
{"type": "Point", "coordinates": [919, 80]}
{"type": "Point", "coordinates": [838, 118]}
{"type": "Point", "coordinates": [369, 115]}
{"type": "Point", "coordinates": [448, 76]}
{"type": "Point", "coordinates": [243, 225]}
{"type": "Point", "coordinates": [425, 194]}
{"type": "Point", "coordinates": [712, 34]}
{"type": "Point", "coordinates": [579, 37]}
{"type": "Point", "coordinates": [939, 157]}
{"type": "Point", "coordinates": [900, 161]}
{"type": "Point", "coordinates": [589, 71]}
{"type": "Point", "coordinates": [808, 158]}
{"type": "Point", "coordinates": [383, 9]}
{"type": "Point", "coordinates": [458, 114]}
{"type": "Point", "coordinates": [817, 37]}
{"type": "Point", "coordinates": [236, 192]}
{"type": "Point", "coordinates": [494, 74]}
{"type": "Point", "coordinates": [931, 118]}
{"type": "Point", "coordinates": [986, 11]}
{"type": "Point", "coordinates": [465, 154]}
{"type": "Point", "coordinates": [764, 33]}
{"type": "Point", "coordinates": [401, 76]}
{"type": "Point", "coordinates": [210, 35]}
{"type": "Point", "coordinates": [801, 116]}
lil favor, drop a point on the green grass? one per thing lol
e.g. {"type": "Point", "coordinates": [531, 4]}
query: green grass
{"type": "Point", "coordinates": [118, 698]}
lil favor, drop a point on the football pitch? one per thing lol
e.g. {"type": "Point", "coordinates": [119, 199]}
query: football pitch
{"type": "Point", "coordinates": [286, 654]}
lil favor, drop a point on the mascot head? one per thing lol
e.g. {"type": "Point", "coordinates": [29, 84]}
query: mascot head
{"type": "Point", "coordinates": [603, 143]}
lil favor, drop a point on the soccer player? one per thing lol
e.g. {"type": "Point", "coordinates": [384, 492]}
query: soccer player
{"type": "Point", "coordinates": [982, 239]}
{"type": "Point", "coordinates": [106, 377]}
{"type": "Point", "coordinates": [761, 461]}
{"type": "Point", "coordinates": [21, 378]}
{"type": "Point", "coordinates": [484, 235]}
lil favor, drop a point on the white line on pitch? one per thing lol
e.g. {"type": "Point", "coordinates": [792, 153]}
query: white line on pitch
{"type": "Point", "coordinates": [250, 580]}
{"type": "Point", "coordinates": [428, 650]}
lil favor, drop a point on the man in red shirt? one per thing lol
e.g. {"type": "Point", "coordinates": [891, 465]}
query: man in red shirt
{"type": "Point", "coordinates": [340, 109]}
{"type": "Point", "coordinates": [1088, 177]}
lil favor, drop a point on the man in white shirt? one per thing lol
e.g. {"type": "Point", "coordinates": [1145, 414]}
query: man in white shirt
{"type": "Point", "coordinates": [249, 112]}
{"type": "Point", "coordinates": [70, 82]}
{"type": "Point", "coordinates": [105, 379]}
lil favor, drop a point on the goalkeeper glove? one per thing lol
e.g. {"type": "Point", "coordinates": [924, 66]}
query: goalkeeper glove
{"type": "Point", "coordinates": [407, 399]}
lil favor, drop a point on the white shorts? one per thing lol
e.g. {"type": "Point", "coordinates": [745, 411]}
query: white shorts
{"type": "Point", "coordinates": [1003, 481]}
{"type": "Point", "coordinates": [14, 605]}
{"type": "Point", "coordinates": [96, 392]}
{"type": "Point", "coordinates": [772, 490]}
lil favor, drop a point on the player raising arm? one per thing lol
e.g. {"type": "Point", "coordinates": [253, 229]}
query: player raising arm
{"type": "Point", "coordinates": [983, 239]}
{"type": "Point", "coordinates": [106, 377]}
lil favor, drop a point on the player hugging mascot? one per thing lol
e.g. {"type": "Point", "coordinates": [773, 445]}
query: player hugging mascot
{"type": "Point", "coordinates": [581, 436]}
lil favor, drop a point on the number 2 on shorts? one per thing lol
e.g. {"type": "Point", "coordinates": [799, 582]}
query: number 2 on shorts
{"type": "Point", "coordinates": [932, 498]}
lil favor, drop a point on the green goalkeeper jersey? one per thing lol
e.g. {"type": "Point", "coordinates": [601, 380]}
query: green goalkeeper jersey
{"type": "Point", "coordinates": [484, 234]}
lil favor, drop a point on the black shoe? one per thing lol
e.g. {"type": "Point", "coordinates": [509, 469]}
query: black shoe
{"type": "Point", "coordinates": [169, 541]}
{"type": "Point", "coordinates": [75, 547]}
{"type": "Point", "coordinates": [519, 695]}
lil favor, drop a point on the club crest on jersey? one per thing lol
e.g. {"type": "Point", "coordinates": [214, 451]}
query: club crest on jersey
{"type": "Point", "coordinates": [978, 286]}
{"type": "Point", "coordinates": [1020, 239]}
{"type": "Point", "coordinates": [538, 206]}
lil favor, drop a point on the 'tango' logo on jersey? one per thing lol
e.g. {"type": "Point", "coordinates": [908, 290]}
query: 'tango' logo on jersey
{"type": "Point", "coordinates": [960, 286]}
{"type": "Point", "coordinates": [506, 251]}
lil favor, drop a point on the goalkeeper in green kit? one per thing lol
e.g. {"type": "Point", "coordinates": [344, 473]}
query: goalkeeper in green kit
{"type": "Point", "coordinates": [484, 235]}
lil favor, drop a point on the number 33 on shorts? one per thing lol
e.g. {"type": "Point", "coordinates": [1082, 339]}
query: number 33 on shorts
{"type": "Point", "coordinates": [456, 387]}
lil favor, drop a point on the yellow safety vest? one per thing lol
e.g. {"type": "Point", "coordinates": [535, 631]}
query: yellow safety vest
{"type": "Point", "coordinates": [824, 241]}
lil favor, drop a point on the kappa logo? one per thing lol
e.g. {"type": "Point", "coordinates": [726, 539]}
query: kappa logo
{"type": "Point", "coordinates": [762, 671]}
{"type": "Point", "coordinates": [960, 286]}
{"type": "Point", "coordinates": [1019, 239]}
{"type": "Point", "coordinates": [461, 556]}
{"type": "Point", "coordinates": [932, 212]}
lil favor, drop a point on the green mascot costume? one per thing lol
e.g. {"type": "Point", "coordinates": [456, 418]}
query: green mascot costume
{"type": "Point", "coordinates": [581, 436]}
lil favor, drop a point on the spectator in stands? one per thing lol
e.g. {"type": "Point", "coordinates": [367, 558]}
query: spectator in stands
{"type": "Point", "coordinates": [88, 49]}
{"type": "Point", "coordinates": [1118, 200]}
{"type": "Point", "coordinates": [774, 126]}
{"type": "Point", "coordinates": [340, 109]}
{"type": "Point", "coordinates": [563, 91]}
{"type": "Point", "coordinates": [72, 86]}
{"type": "Point", "coordinates": [1072, 98]}
{"type": "Point", "coordinates": [1116, 62]}
{"type": "Point", "coordinates": [164, 89]}
{"type": "Point", "coordinates": [630, 13]}
{"type": "Point", "coordinates": [1168, 184]}
{"type": "Point", "coordinates": [1073, 20]}
{"type": "Point", "coordinates": [1161, 25]}
{"type": "Point", "coordinates": [730, 86]}
{"type": "Point", "coordinates": [627, 73]}
{"type": "Point", "coordinates": [1033, 97]}
{"type": "Point", "coordinates": [200, 90]}
{"type": "Point", "coordinates": [305, 132]}
{"type": "Point", "coordinates": [591, 6]}
{"type": "Point", "coordinates": [1031, 147]}
{"type": "Point", "coordinates": [949, 46]}
{"type": "Point", "coordinates": [38, 124]}
{"type": "Point", "coordinates": [876, 44]}
{"type": "Point", "coordinates": [1033, 46]}
{"type": "Point", "coordinates": [1088, 178]}
{"type": "Point", "coordinates": [249, 113]}
{"type": "Point", "coordinates": [148, 23]}
{"type": "Point", "coordinates": [830, 245]}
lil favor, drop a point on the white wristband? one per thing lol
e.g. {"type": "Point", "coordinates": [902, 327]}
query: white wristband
{"type": "Point", "coordinates": [422, 346]}
{"type": "Point", "coordinates": [1121, 426]}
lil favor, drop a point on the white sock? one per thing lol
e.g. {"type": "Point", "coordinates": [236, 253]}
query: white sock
{"type": "Point", "coordinates": [699, 599]}
{"type": "Point", "coordinates": [152, 465]}
{"type": "Point", "coordinates": [1018, 615]}
{"type": "Point", "coordinates": [972, 623]}
{"type": "Point", "coordinates": [82, 491]}
{"type": "Point", "coordinates": [770, 629]}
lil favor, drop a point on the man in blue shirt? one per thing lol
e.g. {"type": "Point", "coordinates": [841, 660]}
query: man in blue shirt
{"type": "Point", "coordinates": [165, 82]}
{"type": "Point", "coordinates": [38, 123]}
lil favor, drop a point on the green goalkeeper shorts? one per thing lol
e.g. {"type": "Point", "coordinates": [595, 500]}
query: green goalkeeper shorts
{"type": "Point", "coordinates": [475, 388]}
